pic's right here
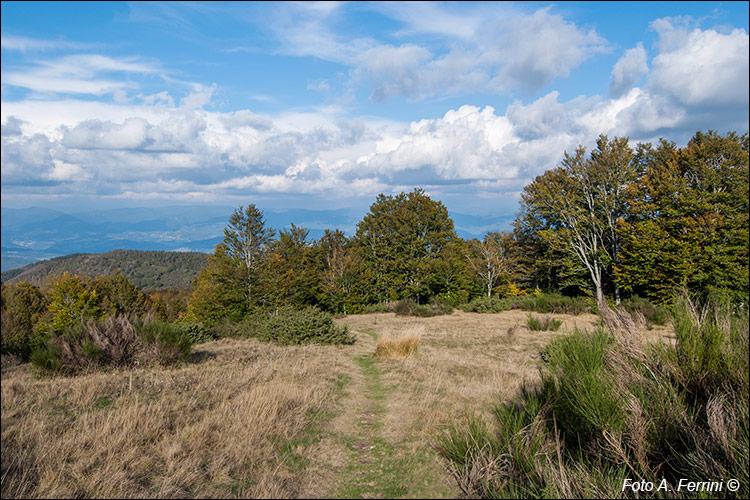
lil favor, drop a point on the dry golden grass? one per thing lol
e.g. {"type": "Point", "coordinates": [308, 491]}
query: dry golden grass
{"type": "Point", "coordinates": [208, 429]}
{"type": "Point", "coordinates": [236, 421]}
{"type": "Point", "coordinates": [399, 344]}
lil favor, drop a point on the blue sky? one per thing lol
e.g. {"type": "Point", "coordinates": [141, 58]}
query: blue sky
{"type": "Point", "coordinates": [325, 105]}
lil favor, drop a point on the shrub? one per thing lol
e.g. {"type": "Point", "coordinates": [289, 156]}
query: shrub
{"type": "Point", "coordinates": [546, 323]}
{"type": "Point", "coordinates": [653, 313]}
{"type": "Point", "coordinates": [196, 332]}
{"type": "Point", "coordinates": [289, 325]}
{"type": "Point", "coordinates": [487, 305]}
{"type": "Point", "coordinates": [166, 343]}
{"type": "Point", "coordinates": [23, 307]}
{"type": "Point", "coordinates": [436, 307]}
{"type": "Point", "coordinates": [380, 307]}
{"type": "Point", "coordinates": [113, 342]}
{"type": "Point", "coordinates": [542, 303]}
{"type": "Point", "coordinates": [604, 411]}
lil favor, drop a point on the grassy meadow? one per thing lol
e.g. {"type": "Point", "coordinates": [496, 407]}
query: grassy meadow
{"type": "Point", "coordinates": [244, 418]}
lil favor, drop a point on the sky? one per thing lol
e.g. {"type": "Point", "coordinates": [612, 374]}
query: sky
{"type": "Point", "coordinates": [326, 105]}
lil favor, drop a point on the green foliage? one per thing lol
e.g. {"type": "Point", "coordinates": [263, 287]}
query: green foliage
{"type": "Point", "coordinates": [219, 292]}
{"type": "Point", "coordinates": [289, 325]}
{"type": "Point", "coordinates": [117, 295]}
{"type": "Point", "coordinates": [72, 301]}
{"type": "Point", "coordinates": [195, 332]}
{"type": "Point", "coordinates": [487, 305]}
{"type": "Point", "coordinates": [115, 342]}
{"type": "Point", "coordinates": [168, 305]}
{"type": "Point", "coordinates": [688, 220]}
{"type": "Point", "coordinates": [23, 306]}
{"type": "Point", "coordinates": [654, 314]}
{"type": "Point", "coordinates": [289, 273]}
{"type": "Point", "coordinates": [543, 324]}
{"type": "Point", "coordinates": [400, 242]}
{"type": "Point", "coordinates": [169, 343]}
{"type": "Point", "coordinates": [436, 307]}
{"type": "Point", "coordinates": [544, 303]}
{"type": "Point", "coordinates": [603, 412]}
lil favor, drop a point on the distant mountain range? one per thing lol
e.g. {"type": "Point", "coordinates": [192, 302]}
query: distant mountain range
{"type": "Point", "coordinates": [145, 269]}
{"type": "Point", "coordinates": [33, 234]}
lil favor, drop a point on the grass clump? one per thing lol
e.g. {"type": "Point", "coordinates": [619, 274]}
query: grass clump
{"type": "Point", "coordinates": [292, 326]}
{"type": "Point", "coordinates": [606, 410]}
{"type": "Point", "coordinates": [544, 324]}
{"type": "Point", "coordinates": [400, 345]}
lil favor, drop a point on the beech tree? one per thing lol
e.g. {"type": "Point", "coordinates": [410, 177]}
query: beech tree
{"type": "Point", "coordinates": [400, 240]}
{"type": "Point", "coordinates": [492, 259]}
{"type": "Point", "coordinates": [579, 205]}
{"type": "Point", "coordinates": [689, 219]}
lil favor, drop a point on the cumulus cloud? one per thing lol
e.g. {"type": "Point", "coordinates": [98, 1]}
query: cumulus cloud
{"type": "Point", "coordinates": [148, 147]}
{"type": "Point", "coordinates": [630, 68]}
{"type": "Point", "coordinates": [495, 50]}
{"type": "Point", "coordinates": [534, 50]}
{"type": "Point", "coordinates": [701, 68]}
{"type": "Point", "coordinates": [12, 127]}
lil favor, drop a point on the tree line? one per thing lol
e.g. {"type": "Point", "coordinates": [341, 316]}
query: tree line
{"type": "Point", "coordinates": [618, 221]}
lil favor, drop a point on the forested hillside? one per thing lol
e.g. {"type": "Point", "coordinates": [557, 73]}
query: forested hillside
{"type": "Point", "coordinates": [145, 269]}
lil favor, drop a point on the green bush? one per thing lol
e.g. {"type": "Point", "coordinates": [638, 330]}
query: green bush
{"type": "Point", "coordinates": [290, 325]}
{"type": "Point", "coordinates": [196, 332]}
{"type": "Point", "coordinates": [486, 305]}
{"type": "Point", "coordinates": [653, 313]}
{"type": "Point", "coordinates": [436, 307]}
{"type": "Point", "coordinates": [112, 342]}
{"type": "Point", "coordinates": [168, 343]}
{"type": "Point", "coordinates": [544, 304]}
{"type": "Point", "coordinates": [604, 411]}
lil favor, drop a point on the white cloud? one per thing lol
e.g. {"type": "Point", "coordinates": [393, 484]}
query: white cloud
{"type": "Point", "coordinates": [146, 147]}
{"type": "Point", "coordinates": [494, 49]}
{"type": "Point", "coordinates": [78, 74]}
{"type": "Point", "coordinates": [25, 44]}
{"type": "Point", "coordinates": [630, 68]}
{"type": "Point", "coordinates": [701, 68]}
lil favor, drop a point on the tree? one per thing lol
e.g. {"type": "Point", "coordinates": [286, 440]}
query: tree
{"type": "Point", "coordinates": [338, 272]}
{"type": "Point", "coordinates": [399, 241]}
{"type": "Point", "coordinates": [117, 295]}
{"type": "Point", "coordinates": [72, 301]}
{"type": "Point", "coordinates": [289, 274]}
{"type": "Point", "coordinates": [219, 292]}
{"type": "Point", "coordinates": [689, 221]}
{"type": "Point", "coordinates": [21, 309]}
{"type": "Point", "coordinates": [579, 205]}
{"type": "Point", "coordinates": [246, 240]}
{"type": "Point", "coordinates": [492, 259]}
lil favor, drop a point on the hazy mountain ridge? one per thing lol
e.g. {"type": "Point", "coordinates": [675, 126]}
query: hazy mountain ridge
{"type": "Point", "coordinates": [146, 269]}
{"type": "Point", "coordinates": [32, 234]}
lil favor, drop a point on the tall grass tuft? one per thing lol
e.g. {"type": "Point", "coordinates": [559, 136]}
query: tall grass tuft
{"type": "Point", "coordinates": [544, 324]}
{"type": "Point", "coordinates": [401, 345]}
{"type": "Point", "coordinates": [605, 411]}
